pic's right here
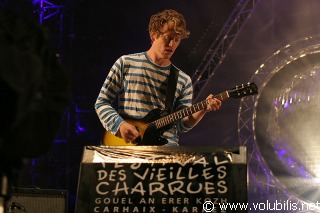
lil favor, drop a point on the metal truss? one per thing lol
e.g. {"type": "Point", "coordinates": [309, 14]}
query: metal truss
{"type": "Point", "coordinates": [218, 50]}
{"type": "Point", "coordinates": [47, 10]}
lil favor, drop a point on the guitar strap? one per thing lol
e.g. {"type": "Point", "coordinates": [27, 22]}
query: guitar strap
{"type": "Point", "coordinates": [171, 89]}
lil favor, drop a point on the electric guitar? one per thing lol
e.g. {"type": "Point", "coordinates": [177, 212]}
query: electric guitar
{"type": "Point", "coordinates": [157, 121]}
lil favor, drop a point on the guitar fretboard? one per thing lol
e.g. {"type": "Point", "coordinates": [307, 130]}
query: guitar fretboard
{"type": "Point", "coordinates": [166, 120]}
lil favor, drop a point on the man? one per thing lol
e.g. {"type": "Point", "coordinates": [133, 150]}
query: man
{"type": "Point", "coordinates": [140, 83]}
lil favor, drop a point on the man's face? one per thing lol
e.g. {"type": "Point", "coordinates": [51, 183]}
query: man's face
{"type": "Point", "coordinates": [166, 43]}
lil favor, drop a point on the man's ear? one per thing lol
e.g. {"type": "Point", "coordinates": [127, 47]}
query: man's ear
{"type": "Point", "coordinates": [153, 36]}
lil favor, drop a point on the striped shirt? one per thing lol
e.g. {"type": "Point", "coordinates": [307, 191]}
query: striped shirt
{"type": "Point", "coordinates": [140, 86]}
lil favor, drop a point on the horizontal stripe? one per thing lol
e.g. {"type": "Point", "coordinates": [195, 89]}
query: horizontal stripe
{"type": "Point", "coordinates": [140, 86]}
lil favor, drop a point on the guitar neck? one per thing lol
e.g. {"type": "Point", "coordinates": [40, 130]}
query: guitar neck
{"type": "Point", "coordinates": [166, 120]}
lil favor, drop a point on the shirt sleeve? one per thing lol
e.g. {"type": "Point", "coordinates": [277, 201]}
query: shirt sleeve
{"type": "Point", "coordinates": [184, 100]}
{"type": "Point", "coordinates": [107, 114]}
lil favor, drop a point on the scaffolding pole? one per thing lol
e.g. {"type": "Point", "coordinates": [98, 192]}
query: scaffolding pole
{"type": "Point", "coordinates": [218, 50]}
{"type": "Point", "coordinates": [47, 10]}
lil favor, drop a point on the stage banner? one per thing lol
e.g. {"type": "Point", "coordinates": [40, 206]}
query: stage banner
{"type": "Point", "coordinates": [162, 179]}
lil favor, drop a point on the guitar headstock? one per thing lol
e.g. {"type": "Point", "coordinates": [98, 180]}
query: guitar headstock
{"type": "Point", "coordinates": [243, 90]}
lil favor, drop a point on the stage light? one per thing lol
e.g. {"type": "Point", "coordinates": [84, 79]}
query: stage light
{"type": "Point", "coordinates": [285, 123]}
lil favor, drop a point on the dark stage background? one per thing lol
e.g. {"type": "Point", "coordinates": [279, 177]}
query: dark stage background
{"type": "Point", "coordinates": [90, 35]}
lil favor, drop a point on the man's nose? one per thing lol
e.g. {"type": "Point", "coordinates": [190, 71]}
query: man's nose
{"type": "Point", "coordinates": [171, 43]}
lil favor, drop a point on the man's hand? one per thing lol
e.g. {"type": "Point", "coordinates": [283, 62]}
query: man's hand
{"type": "Point", "coordinates": [128, 132]}
{"type": "Point", "coordinates": [213, 103]}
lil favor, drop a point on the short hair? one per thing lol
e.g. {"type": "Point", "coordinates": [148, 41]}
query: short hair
{"type": "Point", "coordinates": [171, 18]}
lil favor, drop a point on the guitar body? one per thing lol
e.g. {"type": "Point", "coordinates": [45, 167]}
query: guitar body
{"type": "Point", "coordinates": [150, 135]}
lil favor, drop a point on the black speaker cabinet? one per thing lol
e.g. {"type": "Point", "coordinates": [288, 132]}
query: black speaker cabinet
{"type": "Point", "coordinates": [33, 200]}
{"type": "Point", "coordinates": [161, 179]}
